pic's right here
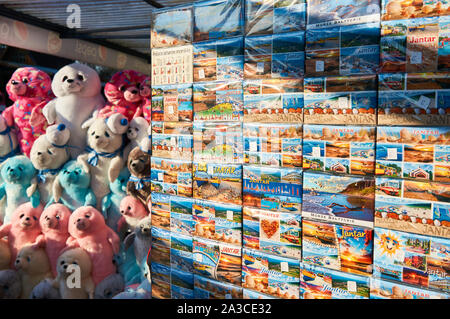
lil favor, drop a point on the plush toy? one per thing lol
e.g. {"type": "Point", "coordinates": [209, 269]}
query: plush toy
{"type": "Point", "coordinates": [109, 287]}
{"type": "Point", "coordinates": [111, 202]}
{"type": "Point", "coordinates": [45, 290]}
{"type": "Point", "coordinates": [78, 91]}
{"type": "Point", "coordinates": [10, 284]}
{"type": "Point", "coordinates": [23, 230]}
{"type": "Point", "coordinates": [48, 155]}
{"type": "Point", "coordinates": [30, 89]}
{"type": "Point", "coordinates": [75, 257]}
{"type": "Point", "coordinates": [123, 94]}
{"type": "Point", "coordinates": [5, 255]}
{"type": "Point", "coordinates": [103, 158]}
{"type": "Point", "coordinates": [146, 93]}
{"type": "Point", "coordinates": [72, 187]}
{"type": "Point", "coordinates": [54, 223]}
{"type": "Point", "coordinates": [88, 231]}
{"type": "Point", "coordinates": [19, 184]}
{"type": "Point", "coordinates": [33, 267]}
{"type": "Point", "coordinates": [8, 141]}
{"type": "Point", "coordinates": [132, 211]}
{"type": "Point", "coordinates": [139, 184]}
{"type": "Point", "coordinates": [141, 291]}
{"type": "Point", "coordinates": [140, 239]}
{"type": "Point", "coordinates": [137, 132]}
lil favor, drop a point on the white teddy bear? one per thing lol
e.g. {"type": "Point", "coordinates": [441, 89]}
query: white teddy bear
{"type": "Point", "coordinates": [138, 132]}
{"type": "Point", "coordinates": [78, 93]}
{"type": "Point", "coordinates": [104, 153]}
{"type": "Point", "coordinates": [48, 155]}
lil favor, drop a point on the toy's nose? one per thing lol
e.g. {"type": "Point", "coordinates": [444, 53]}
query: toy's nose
{"type": "Point", "coordinates": [97, 136]}
{"type": "Point", "coordinates": [69, 80]}
{"type": "Point", "coordinates": [17, 261]}
{"type": "Point", "coordinates": [39, 153]}
{"type": "Point", "coordinates": [27, 219]}
{"type": "Point", "coordinates": [134, 91]}
{"type": "Point", "coordinates": [65, 266]}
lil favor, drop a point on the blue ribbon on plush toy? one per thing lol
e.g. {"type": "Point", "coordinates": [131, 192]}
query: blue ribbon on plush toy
{"type": "Point", "coordinates": [139, 181]}
{"type": "Point", "coordinates": [94, 155]}
{"type": "Point", "coordinates": [41, 174]}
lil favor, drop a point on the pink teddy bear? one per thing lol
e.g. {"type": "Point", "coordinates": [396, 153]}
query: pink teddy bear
{"type": "Point", "coordinates": [123, 92]}
{"type": "Point", "coordinates": [30, 89]}
{"type": "Point", "coordinates": [23, 230]}
{"type": "Point", "coordinates": [88, 231]}
{"type": "Point", "coordinates": [54, 224]}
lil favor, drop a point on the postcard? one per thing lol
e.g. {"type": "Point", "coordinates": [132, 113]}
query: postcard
{"type": "Point", "coordinates": [344, 248]}
{"type": "Point", "coordinates": [169, 176]}
{"type": "Point", "coordinates": [217, 19]}
{"type": "Point", "coordinates": [217, 261]}
{"type": "Point", "coordinates": [412, 259]}
{"type": "Point", "coordinates": [343, 50]}
{"type": "Point", "coordinates": [170, 283]}
{"type": "Point", "coordinates": [339, 149]}
{"type": "Point", "coordinates": [321, 283]}
{"type": "Point", "coordinates": [395, 10]}
{"type": "Point", "coordinates": [413, 206]}
{"type": "Point", "coordinates": [218, 101]}
{"type": "Point", "coordinates": [275, 56]}
{"type": "Point", "coordinates": [273, 100]}
{"type": "Point", "coordinates": [171, 26]}
{"type": "Point", "coordinates": [269, 274]}
{"type": "Point", "coordinates": [206, 288]}
{"type": "Point", "coordinates": [414, 99]}
{"type": "Point", "coordinates": [350, 100]}
{"type": "Point", "coordinates": [415, 45]}
{"type": "Point", "coordinates": [421, 153]}
{"type": "Point", "coordinates": [273, 144]}
{"type": "Point", "coordinates": [172, 65]}
{"type": "Point", "coordinates": [341, 199]}
{"type": "Point", "coordinates": [275, 189]}
{"type": "Point", "coordinates": [172, 103]}
{"type": "Point", "coordinates": [218, 142]}
{"type": "Point", "coordinates": [216, 221]}
{"type": "Point", "coordinates": [221, 60]}
{"type": "Point", "coordinates": [172, 213]}
{"type": "Point", "coordinates": [218, 182]}
{"type": "Point", "coordinates": [384, 289]}
{"type": "Point", "coordinates": [167, 142]}
{"type": "Point", "coordinates": [274, 16]}
{"type": "Point", "coordinates": [272, 232]}
{"type": "Point", "coordinates": [251, 294]}
{"type": "Point", "coordinates": [329, 13]}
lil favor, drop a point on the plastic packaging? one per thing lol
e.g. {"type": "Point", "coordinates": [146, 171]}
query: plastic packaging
{"type": "Point", "coordinates": [421, 153]}
{"type": "Point", "coordinates": [340, 199]}
{"type": "Point", "coordinates": [169, 176]}
{"type": "Point", "coordinates": [414, 99]}
{"type": "Point", "coordinates": [269, 274]}
{"type": "Point", "coordinates": [343, 50]}
{"type": "Point", "coordinates": [172, 103]}
{"type": "Point", "coordinates": [413, 206]}
{"type": "Point", "coordinates": [275, 100]}
{"type": "Point", "coordinates": [274, 16]}
{"type": "Point", "coordinates": [415, 45]}
{"type": "Point", "coordinates": [216, 19]}
{"type": "Point", "coordinates": [221, 60]}
{"type": "Point", "coordinates": [275, 189]}
{"type": "Point", "coordinates": [273, 144]}
{"type": "Point", "coordinates": [398, 9]}
{"type": "Point", "coordinates": [322, 13]}
{"type": "Point", "coordinates": [275, 56]}
{"type": "Point", "coordinates": [349, 100]}
{"type": "Point", "coordinates": [413, 259]}
{"type": "Point", "coordinates": [344, 248]}
{"type": "Point", "coordinates": [339, 149]}
{"type": "Point", "coordinates": [171, 26]}
{"type": "Point", "coordinates": [172, 65]}
{"type": "Point", "coordinates": [321, 283]}
{"type": "Point", "coordinates": [273, 232]}
{"type": "Point", "coordinates": [218, 101]}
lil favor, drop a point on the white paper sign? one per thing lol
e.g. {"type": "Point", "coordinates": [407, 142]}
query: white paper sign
{"type": "Point", "coordinates": [320, 66]}
{"type": "Point", "coordinates": [260, 67]}
{"type": "Point", "coordinates": [173, 141]}
{"type": "Point", "coordinates": [351, 286]}
{"type": "Point", "coordinates": [160, 176]}
{"type": "Point", "coordinates": [416, 57]}
{"type": "Point", "coordinates": [424, 101]}
{"type": "Point", "coordinates": [284, 266]}
{"type": "Point", "coordinates": [343, 102]}
{"type": "Point", "coordinates": [253, 146]}
{"type": "Point", "coordinates": [316, 151]}
{"type": "Point", "coordinates": [170, 109]}
{"type": "Point", "coordinates": [198, 257]}
{"type": "Point", "coordinates": [210, 170]}
{"type": "Point", "coordinates": [392, 153]}
{"type": "Point", "coordinates": [229, 215]}
{"type": "Point", "coordinates": [201, 74]}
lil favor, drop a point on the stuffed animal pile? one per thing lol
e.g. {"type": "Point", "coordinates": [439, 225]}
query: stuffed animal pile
{"type": "Point", "coordinates": [74, 198]}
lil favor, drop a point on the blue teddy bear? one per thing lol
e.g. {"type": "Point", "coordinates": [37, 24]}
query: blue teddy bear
{"type": "Point", "coordinates": [71, 187]}
{"type": "Point", "coordinates": [19, 184]}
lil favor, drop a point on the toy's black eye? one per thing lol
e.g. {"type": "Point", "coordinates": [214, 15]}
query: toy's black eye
{"type": "Point", "coordinates": [25, 81]}
{"type": "Point", "coordinates": [34, 217]}
{"type": "Point", "coordinates": [62, 262]}
{"type": "Point", "coordinates": [21, 216]}
{"type": "Point", "coordinates": [106, 134]}
{"type": "Point", "coordinates": [76, 172]}
{"type": "Point", "coordinates": [57, 217]}
{"type": "Point", "coordinates": [20, 168]}
{"type": "Point", "coordinates": [28, 259]}
{"type": "Point", "coordinates": [64, 78]}
{"type": "Point", "coordinates": [75, 263]}
{"type": "Point", "coordinates": [92, 134]}
{"type": "Point", "coordinates": [48, 151]}
{"type": "Point", "coordinates": [129, 208]}
{"type": "Point", "coordinates": [122, 88]}
{"type": "Point", "coordinates": [87, 215]}
{"type": "Point", "coordinates": [14, 82]}
{"type": "Point", "coordinates": [80, 77]}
